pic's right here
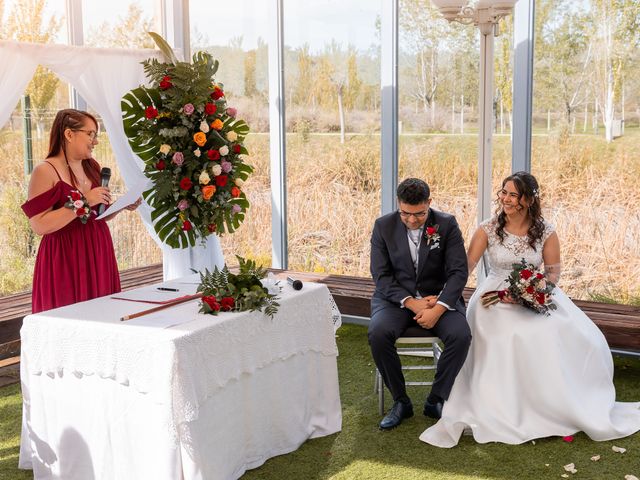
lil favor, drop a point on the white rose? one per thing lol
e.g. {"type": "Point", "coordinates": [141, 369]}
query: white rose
{"type": "Point", "coordinates": [239, 182]}
{"type": "Point", "coordinates": [164, 148]}
{"type": "Point", "coordinates": [224, 150]}
{"type": "Point", "coordinates": [204, 178]}
{"type": "Point", "coordinates": [78, 204]}
{"type": "Point", "coordinates": [197, 152]}
{"type": "Point", "coordinates": [232, 136]}
{"type": "Point", "coordinates": [204, 127]}
{"type": "Point", "coordinates": [216, 169]}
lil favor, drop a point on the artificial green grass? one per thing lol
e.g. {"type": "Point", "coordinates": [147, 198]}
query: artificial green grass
{"type": "Point", "coordinates": [362, 452]}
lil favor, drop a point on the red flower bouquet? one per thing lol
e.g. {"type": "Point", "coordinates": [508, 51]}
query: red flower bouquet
{"type": "Point", "coordinates": [527, 287]}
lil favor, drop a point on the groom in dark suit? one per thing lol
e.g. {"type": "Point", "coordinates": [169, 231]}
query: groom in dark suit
{"type": "Point", "coordinates": [419, 265]}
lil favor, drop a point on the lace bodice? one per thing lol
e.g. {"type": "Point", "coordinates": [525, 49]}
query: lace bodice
{"type": "Point", "coordinates": [513, 248]}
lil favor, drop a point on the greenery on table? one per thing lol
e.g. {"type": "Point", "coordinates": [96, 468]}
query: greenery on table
{"type": "Point", "coordinates": [238, 292]}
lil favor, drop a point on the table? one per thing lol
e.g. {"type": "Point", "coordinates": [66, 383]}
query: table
{"type": "Point", "coordinates": [175, 394]}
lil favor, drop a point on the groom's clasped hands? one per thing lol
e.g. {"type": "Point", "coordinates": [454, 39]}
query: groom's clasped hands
{"type": "Point", "coordinates": [427, 310]}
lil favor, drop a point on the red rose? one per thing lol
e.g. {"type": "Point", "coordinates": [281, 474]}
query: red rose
{"type": "Point", "coordinates": [227, 303]}
{"type": "Point", "coordinates": [431, 230]}
{"type": "Point", "coordinates": [151, 112]}
{"type": "Point", "coordinates": [75, 195]}
{"type": "Point", "coordinates": [211, 227]}
{"type": "Point", "coordinates": [213, 155]}
{"type": "Point", "coordinates": [165, 83]}
{"type": "Point", "coordinates": [540, 297]}
{"type": "Point", "coordinates": [80, 212]}
{"type": "Point", "coordinates": [212, 302]}
{"type": "Point", "coordinates": [186, 226]}
{"type": "Point", "coordinates": [160, 165]}
{"type": "Point", "coordinates": [237, 148]}
{"type": "Point", "coordinates": [539, 276]}
{"type": "Point", "coordinates": [210, 108]}
{"type": "Point", "coordinates": [530, 289]}
{"type": "Point", "coordinates": [235, 192]}
{"type": "Point", "coordinates": [526, 274]}
{"type": "Point", "coordinates": [217, 93]}
{"type": "Point", "coordinates": [185, 184]}
{"type": "Point", "coordinates": [221, 180]}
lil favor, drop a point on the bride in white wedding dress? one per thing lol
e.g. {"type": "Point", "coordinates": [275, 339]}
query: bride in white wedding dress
{"type": "Point", "coordinates": [529, 375]}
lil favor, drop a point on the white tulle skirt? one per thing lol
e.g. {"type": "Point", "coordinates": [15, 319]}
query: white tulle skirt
{"type": "Point", "coordinates": [530, 376]}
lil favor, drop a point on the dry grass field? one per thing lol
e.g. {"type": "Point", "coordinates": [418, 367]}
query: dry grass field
{"type": "Point", "coordinates": [589, 191]}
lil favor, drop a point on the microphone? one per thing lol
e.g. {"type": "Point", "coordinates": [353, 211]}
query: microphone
{"type": "Point", "coordinates": [296, 284]}
{"type": "Point", "coordinates": [105, 175]}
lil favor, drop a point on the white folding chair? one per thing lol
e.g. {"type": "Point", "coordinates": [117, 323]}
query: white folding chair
{"type": "Point", "coordinates": [422, 344]}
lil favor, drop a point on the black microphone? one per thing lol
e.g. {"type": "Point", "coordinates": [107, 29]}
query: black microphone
{"type": "Point", "coordinates": [105, 175]}
{"type": "Point", "coordinates": [296, 284]}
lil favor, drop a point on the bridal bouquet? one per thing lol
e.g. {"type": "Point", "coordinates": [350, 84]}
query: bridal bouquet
{"type": "Point", "coordinates": [527, 286]}
{"type": "Point", "coordinates": [225, 291]}
{"type": "Point", "coordinates": [191, 143]}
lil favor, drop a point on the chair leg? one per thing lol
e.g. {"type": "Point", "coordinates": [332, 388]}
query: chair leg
{"type": "Point", "coordinates": [380, 393]}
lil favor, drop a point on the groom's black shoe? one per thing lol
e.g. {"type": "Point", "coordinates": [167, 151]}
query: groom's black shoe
{"type": "Point", "coordinates": [433, 410]}
{"type": "Point", "coordinates": [398, 412]}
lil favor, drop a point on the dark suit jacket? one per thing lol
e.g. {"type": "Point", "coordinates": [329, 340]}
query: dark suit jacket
{"type": "Point", "coordinates": [441, 271]}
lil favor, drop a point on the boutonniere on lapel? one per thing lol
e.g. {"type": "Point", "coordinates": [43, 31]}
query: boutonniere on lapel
{"type": "Point", "coordinates": [432, 235]}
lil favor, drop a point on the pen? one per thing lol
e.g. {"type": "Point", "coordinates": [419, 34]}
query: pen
{"type": "Point", "coordinates": [167, 289]}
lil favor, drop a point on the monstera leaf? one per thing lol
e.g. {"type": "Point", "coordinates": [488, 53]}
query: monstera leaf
{"type": "Point", "coordinates": [191, 144]}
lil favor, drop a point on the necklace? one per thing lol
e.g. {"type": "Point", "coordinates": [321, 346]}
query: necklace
{"type": "Point", "coordinates": [83, 180]}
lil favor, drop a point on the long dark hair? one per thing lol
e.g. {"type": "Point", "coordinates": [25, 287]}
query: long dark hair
{"type": "Point", "coordinates": [72, 119]}
{"type": "Point", "coordinates": [527, 187]}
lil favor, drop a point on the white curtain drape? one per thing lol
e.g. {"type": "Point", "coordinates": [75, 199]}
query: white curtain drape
{"type": "Point", "coordinates": [101, 76]}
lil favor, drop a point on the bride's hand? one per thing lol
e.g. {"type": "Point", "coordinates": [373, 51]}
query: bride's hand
{"type": "Point", "coordinates": [507, 299]}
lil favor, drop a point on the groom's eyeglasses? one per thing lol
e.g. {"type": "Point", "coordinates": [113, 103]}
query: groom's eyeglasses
{"type": "Point", "coordinates": [417, 215]}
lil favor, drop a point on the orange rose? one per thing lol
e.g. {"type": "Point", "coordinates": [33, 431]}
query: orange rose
{"type": "Point", "coordinates": [235, 192]}
{"type": "Point", "coordinates": [217, 124]}
{"type": "Point", "coordinates": [200, 138]}
{"type": "Point", "coordinates": [208, 191]}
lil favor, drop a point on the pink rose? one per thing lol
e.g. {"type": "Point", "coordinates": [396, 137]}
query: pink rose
{"type": "Point", "coordinates": [183, 205]}
{"type": "Point", "coordinates": [226, 166]}
{"type": "Point", "coordinates": [178, 158]}
{"type": "Point", "coordinates": [236, 208]}
{"type": "Point", "coordinates": [188, 109]}
{"type": "Point", "coordinates": [232, 112]}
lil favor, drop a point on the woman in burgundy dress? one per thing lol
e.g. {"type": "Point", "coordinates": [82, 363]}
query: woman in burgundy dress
{"type": "Point", "coordinates": [76, 260]}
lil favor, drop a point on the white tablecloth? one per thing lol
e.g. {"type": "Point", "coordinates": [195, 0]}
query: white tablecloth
{"type": "Point", "coordinates": [205, 398]}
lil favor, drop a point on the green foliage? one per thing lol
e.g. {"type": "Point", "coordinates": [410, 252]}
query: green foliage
{"type": "Point", "coordinates": [244, 288]}
{"type": "Point", "coordinates": [191, 144]}
{"type": "Point", "coordinates": [19, 242]}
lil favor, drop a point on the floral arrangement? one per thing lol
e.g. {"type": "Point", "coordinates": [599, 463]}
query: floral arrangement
{"type": "Point", "coordinates": [225, 291]}
{"type": "Point", "coordinates": [527, 287]}
{"type": "Point", "coordinates": [431, 233]}
{"type": "Point", "coordinates": [78, 203]}
{"type": "Point", "coordinates": [191, 143]}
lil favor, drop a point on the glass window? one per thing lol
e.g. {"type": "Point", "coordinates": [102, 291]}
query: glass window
{"type": "Point", "coordinates": [240, 45]}
{"type": "Point", "coordinates": [438, 114]}
{"type": "Point", "coordinates": [585, 137]}
{"type": "Point", "coordinates": [332, 81]}
{"type": "Point", "coordinates": [41, 21]}
{"type": "Point", "coordinates": [126, 26]}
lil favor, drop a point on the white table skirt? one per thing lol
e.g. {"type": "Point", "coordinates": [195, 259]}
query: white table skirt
{"type": "Point", "coordinates": [181, 421]}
